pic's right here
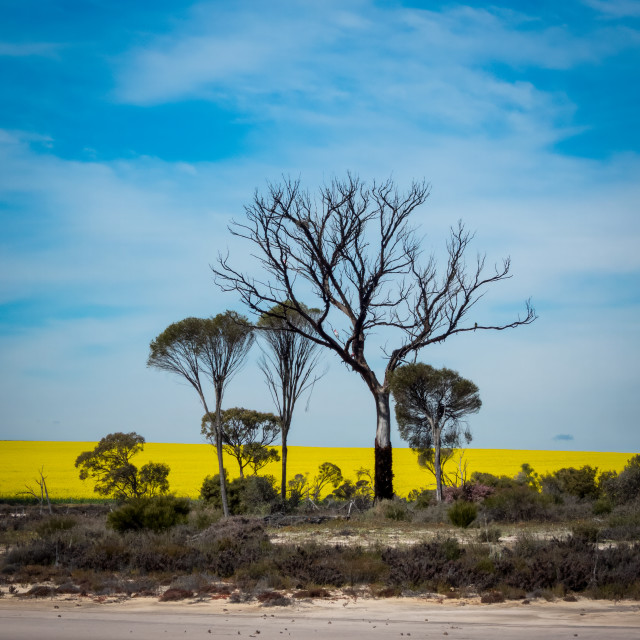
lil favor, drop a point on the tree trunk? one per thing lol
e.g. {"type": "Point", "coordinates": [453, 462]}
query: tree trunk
{"type": "Point", "coordinates": [283, 486]}
{"type": "Point", "coordinates": [223, 480]}
{"type": "Point", "coordinates": [383, 480]}
{"type": "Point", "coordinates": [436, 463]}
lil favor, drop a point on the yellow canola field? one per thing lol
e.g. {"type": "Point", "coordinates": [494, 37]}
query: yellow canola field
{"type": "Point", "coordinates": [20, 462]}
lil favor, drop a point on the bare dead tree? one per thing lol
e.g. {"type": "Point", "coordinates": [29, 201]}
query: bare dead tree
{"type": "Point", "coordinates": [288, 363]}
{"type": "Point", "coordinates": [353, 249]}
{"type": "Point", "coordinates": [43, 493]}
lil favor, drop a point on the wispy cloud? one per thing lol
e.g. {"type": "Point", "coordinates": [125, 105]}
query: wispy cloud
{"type": "Point", "coordinates": [616, 8]}
{"type": "Point", "coordinates": [99, 256]}
{"type": "Point", "coordinates": [25, 49]}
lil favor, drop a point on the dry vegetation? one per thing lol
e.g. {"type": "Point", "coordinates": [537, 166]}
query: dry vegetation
{"type": "Point", "coordinates": [392, 549]}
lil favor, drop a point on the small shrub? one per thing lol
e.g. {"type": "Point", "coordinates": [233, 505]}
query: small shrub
{"type": "Point", "coordinates": [421, 498]}
{"type": "Point", "coordinates": [463, 513]}
{"type": "Point", "coordinates": [516, 504]}
{"type": "Point", "coordinates": [469, 491]}
{"type": "Point", "coordinates": [156, 514]}
{"type": "Point", "coordinates": [492, 597]}
{"type": "Point", "coordinates": [397, 511]}
{"type": "Point", "coordinates": [55, 524]}
{"type": "Point", "coordinates": [586, 532]}
{"type": "Point", "coordinates": [173, 595]}
{"type": "Point", "coordinates": [490, 534]}
{"type": "Point", "coordinates": [602, 507]}
{"type": "Point", "coordinates": [314, 592]}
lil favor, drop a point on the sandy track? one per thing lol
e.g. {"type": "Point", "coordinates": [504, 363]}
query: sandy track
{"type": "Point", "coordinates": [342, 619]}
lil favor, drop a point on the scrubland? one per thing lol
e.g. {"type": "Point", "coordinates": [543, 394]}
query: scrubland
{"type": "Point", "coordinates": [521, 536]}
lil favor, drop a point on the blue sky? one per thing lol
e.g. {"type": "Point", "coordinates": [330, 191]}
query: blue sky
{"type": "Point", "coordinates": [131, 134]}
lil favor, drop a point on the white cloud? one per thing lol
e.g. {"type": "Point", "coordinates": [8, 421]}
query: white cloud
{"type": "Point", "coordinates": [615, 8]}
{"type": "Point", "coordinates": [411, 94]}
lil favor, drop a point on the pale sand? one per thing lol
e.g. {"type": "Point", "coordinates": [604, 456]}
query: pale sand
{"type": "Point", "coordinates": [338, 619]}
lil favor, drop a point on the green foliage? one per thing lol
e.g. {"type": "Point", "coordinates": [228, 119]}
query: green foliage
{"type": "Point", "coordinates": [395, 510]}
{"type": "Point", "coordinates": [246, 436]}
{"type": "Point", "coordinates": [328, 474]}
{"type": "Point", "coordinates": [580, 483]}
{"type": "Point", "coordinates": [254, 494]}
{"type": "Point", "coordinates": [193, 343]}
{"type": "Point", "coordinates": [54, 524]}
{"type": "Point", "coordinates": [429, 399]}
{"type": "Point", "coordinates": [490, 480]}
{"type": "Point", "coordinates": [490, 534]}
{"type": "Point", "coordinates": [360, 491]}
{"type": "Point", "coordinates": [421, 498]}
{"type": "Point", "coordinates": [431, 405]}
{"type": "Point", "coordinates": [156, 514]}
{"type": "Point", "coordinates": [528, 476]}
{"type": "Point", "coordinates": [516, 504]}
{"type": "Point", "coordinates": [602, 506]}
{"type": "Point", "coordinates": [625, 486]}
{"type": "Point", "coordinates": [462, 513]}
{"type": "Point", "coordinates": [297, 487]}
{"type": "Point", "coordinates": [109, 464]}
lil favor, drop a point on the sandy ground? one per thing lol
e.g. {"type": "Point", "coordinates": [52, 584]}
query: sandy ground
{"type": "Point", "coordinates": [414, 618]}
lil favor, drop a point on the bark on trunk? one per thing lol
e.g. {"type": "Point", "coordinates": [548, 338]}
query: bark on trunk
{"type": "Point", "coordinates": [437, 465]}
{"type": "Point", "coordinates": [223, 480]}
{"type": "Point", "coordinates": [383, 456]}
{"type": "Point", "coordinates": [283, 486]}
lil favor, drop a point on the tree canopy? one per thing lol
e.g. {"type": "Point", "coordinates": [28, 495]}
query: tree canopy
{"type": "Point", "coordinates": [288, 362]}
{"type": "Point", "coordinates": [431, 405]}
{"type": "Point", "coordinates": [201, 350]}
{"type": "Point", "coordinates": [109, 464]}
{"type": "Point", "coordinates": [246, 436]}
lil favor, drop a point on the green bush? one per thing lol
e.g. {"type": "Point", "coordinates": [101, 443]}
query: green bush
{"type": "Point", "coordinates": [54, 524]}
{"type": "Point", "coordinates": [580, 483]}
{"type": "Point", "coordinates": [602, 507]}
{"type": "Point", "coordinates": [397, 511]}
{"type": "Point", "coordinates": [463, 513]}
{"type": "Point", "coordinates": [421, 498]}
{"type": "Point", "coordinates": [625, 486]}
{"type": "Point", "coordinates": [156, 514]}
{"type": "Point", "coordinates": [490, 534]}
{"type": "Point", "coordinates": [517, 504]}
{"type": "Point", "coordinates": [253, 494]}
{"type": "Point", "coordinates": [490, 480]}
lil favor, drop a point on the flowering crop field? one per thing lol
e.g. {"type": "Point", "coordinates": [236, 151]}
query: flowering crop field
{"type": "Point", "coordinates": [20, 462]}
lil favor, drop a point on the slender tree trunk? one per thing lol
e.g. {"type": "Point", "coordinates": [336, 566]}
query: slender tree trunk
{"type": "Point", "coordinates": [436, 463]}
{"type": "Point", "coordinates": [283, 486]}
{"type": "Point", "coordinates": [223, 480]}
{"type": "Point", "coordinates": [383, 480]}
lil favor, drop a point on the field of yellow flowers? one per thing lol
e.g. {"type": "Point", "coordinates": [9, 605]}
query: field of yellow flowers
{"type": "Point", "coordinates": [20, 462]}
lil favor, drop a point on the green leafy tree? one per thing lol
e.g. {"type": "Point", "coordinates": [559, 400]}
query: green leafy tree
{"type": "Point", "coordinates": [622, 487]}
{"type": "Point", "coordinates": [351, 252]}
{"type": "Point", "coordinates": [328, 474]}
{"type": "Point", "coordinates": [246, 436]}
{"type": "Point", "coordinates": [580, 483]}
{"type": "Point", "coordinates": [201, 350]}
{"type": "Point", "coordinates": [109, 464]}
{"type": "Point", "coordinates": [289, 360]}
{"type": "Point", "coordinates": [430, 407]}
